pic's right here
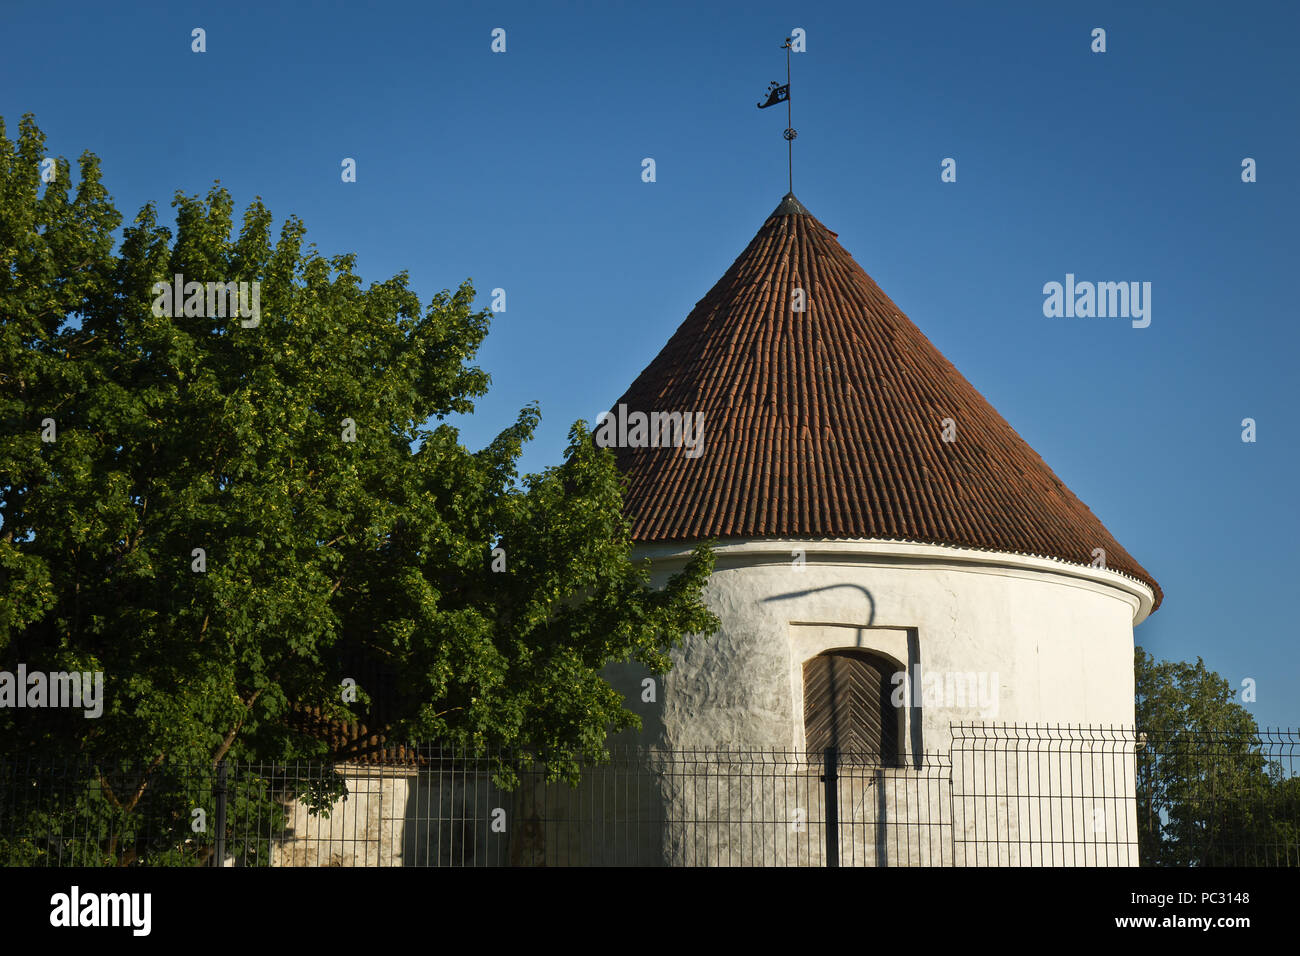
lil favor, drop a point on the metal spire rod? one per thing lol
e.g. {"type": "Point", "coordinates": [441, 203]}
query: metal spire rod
{"type": "Point", "coordinates": [790, 134]}
{"type": "Point", "coordinates": [775, 94]}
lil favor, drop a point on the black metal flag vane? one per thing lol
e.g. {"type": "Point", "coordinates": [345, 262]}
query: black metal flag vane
{"type": "Point", "coordinates": [781, 94]}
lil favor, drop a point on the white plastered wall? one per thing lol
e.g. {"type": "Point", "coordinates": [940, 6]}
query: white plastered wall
{"type": "Point", "coordinates": [1050, 642]}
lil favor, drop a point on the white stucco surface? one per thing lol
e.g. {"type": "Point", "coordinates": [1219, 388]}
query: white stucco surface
{"type": "Point", "coordinates": [1056, 640]}
{"type": "Point", "coordinates": [992, 638]}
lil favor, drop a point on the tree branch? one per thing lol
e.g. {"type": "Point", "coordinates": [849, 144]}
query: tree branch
{"type": "Point", "coordinates": [234, 731]}
{"type": "Point", "coordinates": [144, 783]}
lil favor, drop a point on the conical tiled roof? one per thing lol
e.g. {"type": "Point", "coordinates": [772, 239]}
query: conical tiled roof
{"type": "Point", "coordinates": [828, 423]}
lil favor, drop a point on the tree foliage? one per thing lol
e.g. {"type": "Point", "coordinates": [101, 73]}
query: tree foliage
{"type": "Point", "coordinates": [1209, 792]}
{"type": "Point", "coordinates": [325, 557]}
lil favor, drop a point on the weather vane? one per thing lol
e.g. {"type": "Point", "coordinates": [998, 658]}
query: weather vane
{"type": "Point", "coordinates": [778, 94]}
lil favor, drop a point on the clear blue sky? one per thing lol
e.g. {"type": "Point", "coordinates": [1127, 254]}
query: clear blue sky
{"type": "Point", "coordinates": [522, 170]}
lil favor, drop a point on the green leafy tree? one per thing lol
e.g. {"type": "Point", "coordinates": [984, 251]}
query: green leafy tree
{"type": "Point", "coordinates": [1208, 792]}
{"type": "Point", "coordinates": [228, 516]}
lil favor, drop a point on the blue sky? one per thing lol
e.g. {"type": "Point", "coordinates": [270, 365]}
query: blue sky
{"type": "Point", "coordinates": [522, 170]}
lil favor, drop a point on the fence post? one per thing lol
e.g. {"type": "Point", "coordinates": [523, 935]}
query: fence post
{"type": "Point", "coordinates": [831, 779]}
{"type": "Point", "coordinates": [219, 850]}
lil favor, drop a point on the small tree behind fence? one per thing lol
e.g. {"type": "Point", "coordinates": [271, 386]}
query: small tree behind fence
{"type": "Point", "coordinates": [1001, 795]}
{"type": "Point", "coordinates": [1213, 799]}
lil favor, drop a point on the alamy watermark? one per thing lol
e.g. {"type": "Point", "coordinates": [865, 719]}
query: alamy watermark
{"type": "Point", "coordinates": [624, 429]}
{"type": "Point", "coordinates": [1102, 300]}
{"type": "Point", "coordinates": [75, 908]}
{"type": "Point", "coordinates": [976, 689]}
{"type": "Point", "coordinates": [26, 688]}
{"type": "Point", "coordinates": [210, 299]}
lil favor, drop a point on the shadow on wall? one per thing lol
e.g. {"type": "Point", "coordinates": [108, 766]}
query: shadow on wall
{"type": "Point", "coordinates": [448, 819]}
{"type": "Point", "coordinates": [871, 601]}
{"type": "Point", "coordinates": [457, 817]}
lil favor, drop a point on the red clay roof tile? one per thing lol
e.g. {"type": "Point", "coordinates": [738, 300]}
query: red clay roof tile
{"type": "Point", "coordinates": [827, 423]}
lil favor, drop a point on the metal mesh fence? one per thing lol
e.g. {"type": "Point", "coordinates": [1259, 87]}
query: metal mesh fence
{"type": "Point", "coordinates": [1001, 795]}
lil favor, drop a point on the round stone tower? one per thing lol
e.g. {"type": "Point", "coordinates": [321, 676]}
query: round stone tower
{"type": "Point", "coordinates": [892, 557]}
